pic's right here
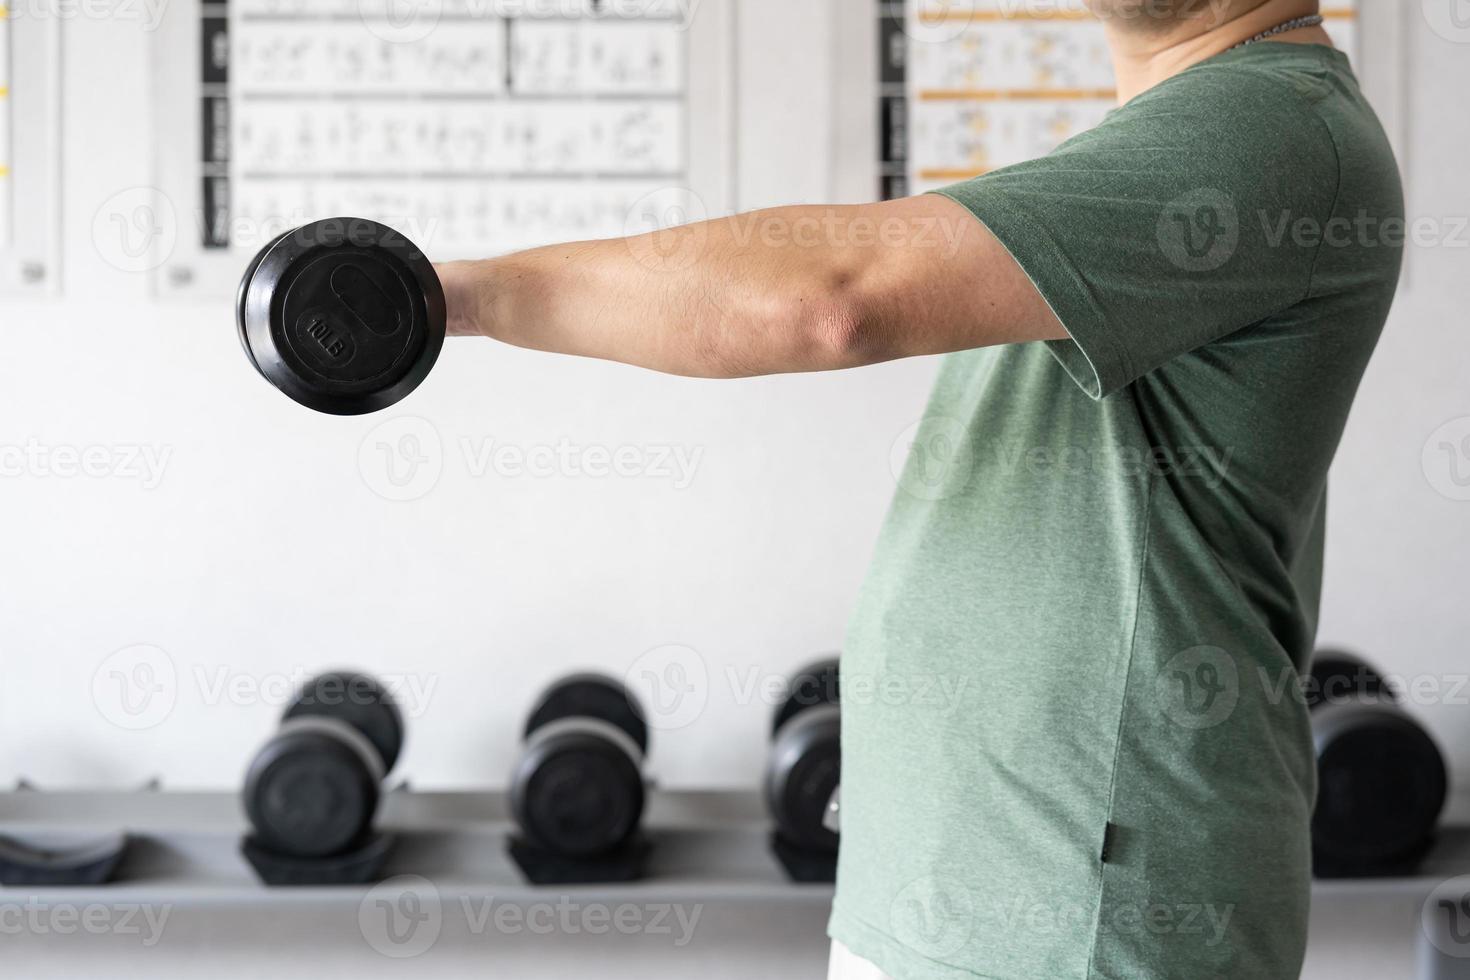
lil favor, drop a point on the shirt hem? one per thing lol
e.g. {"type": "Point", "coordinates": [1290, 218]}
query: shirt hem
{"type": "Point", "coordinates": [891, 956]}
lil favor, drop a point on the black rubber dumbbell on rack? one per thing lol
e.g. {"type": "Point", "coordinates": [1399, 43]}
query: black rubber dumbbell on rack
{"type": "Point", "coordinates": [344, 315]}
{"type": "Point", "coordinates": [577, 792]}
{"type": "Point", "coordinates": [1381, 779]}
{"type": "Point", "coordinates": [312, 791]}
{"type": "Point", "coordinates": [803, 771]}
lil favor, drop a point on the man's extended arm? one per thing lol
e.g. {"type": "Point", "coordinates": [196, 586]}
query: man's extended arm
{"type": "Point", "coordinates": [769, 292]}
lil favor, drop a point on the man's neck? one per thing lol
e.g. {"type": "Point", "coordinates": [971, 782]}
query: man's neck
{"type": "Point", "coordinates": [1145, 55]}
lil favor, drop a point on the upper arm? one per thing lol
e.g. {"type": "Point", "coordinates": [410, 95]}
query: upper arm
{"type": "Point", "coordinates": [940, 281]}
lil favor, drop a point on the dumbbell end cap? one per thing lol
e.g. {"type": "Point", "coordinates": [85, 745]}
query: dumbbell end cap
{"type": "Point", "coordinates": [578, 795]}
{"type": "Point", "coordinates": [308, 795]}
{"type": "Point", "coordinates": [345, 315]}
{"type": "Point", "coordinates": [1382, 785]}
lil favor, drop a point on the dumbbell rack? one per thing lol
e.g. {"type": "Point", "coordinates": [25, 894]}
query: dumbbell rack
{"type": "Point", "coordinates": [711, 854]}
{"type": "Point", "coordinates": [187, 844]}
{"type": "Point", "coordinates": [709, 844]}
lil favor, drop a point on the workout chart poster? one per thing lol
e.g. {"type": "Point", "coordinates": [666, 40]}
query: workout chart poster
{"type": "Point", "coordinates": [966, 89]}
{"type": "Point", "coordinates": [479, 128]}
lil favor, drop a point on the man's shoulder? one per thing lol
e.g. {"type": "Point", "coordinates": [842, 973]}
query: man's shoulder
{"type": "Point", "coordinates": [1301, 96]}
{"type": "Point", "coordinates": [1239, 99]}
{"type": "Point", "coordinates": [1268, 125]}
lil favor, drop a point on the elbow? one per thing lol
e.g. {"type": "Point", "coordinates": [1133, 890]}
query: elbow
{"type": "Point", "coordinates": [837, 324]}
{"type": "Point", "coordinates": [808, 323]}
{"type": "Point", "coordinates": [841, 335]}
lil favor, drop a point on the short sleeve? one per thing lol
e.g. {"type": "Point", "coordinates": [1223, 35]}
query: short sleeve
{"type": "Point", "coordinates": [1171, 225]}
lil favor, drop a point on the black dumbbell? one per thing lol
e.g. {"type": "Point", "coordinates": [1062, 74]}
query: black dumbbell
{"type": "Point", "coordinates": [1381, 778]}
{"type": "Point", "coordinates": [312, 791]}
{"type": "Point", "coordinates": [578, 788]}
{"type": "Point", "coordinates": [805, 761]}
{"type": "Point", "coordinates": [344, 315]}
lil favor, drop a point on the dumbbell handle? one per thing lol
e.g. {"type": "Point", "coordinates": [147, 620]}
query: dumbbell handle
{"type": "Point", "coordinates": [588, 725]}
{"type": "Point", "coordinates": [342, 730]}
{"type": "Point", "coordinates": [832, 818]}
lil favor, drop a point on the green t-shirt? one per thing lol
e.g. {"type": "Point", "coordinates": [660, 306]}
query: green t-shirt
{"type": "Point", "coordinates": [1074, 743]}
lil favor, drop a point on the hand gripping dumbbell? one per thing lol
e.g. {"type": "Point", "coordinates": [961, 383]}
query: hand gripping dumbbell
{"type": "Point", "coordinates": [804, 768]}
{"type": "Point", "coordinates": [578, 788]}
{"type": "Point", "coordinates": [313, 790]}
{"type": "Point", "coordinates": [1381, 779]}
{"type": "Point", "coordinates": [344, 315]}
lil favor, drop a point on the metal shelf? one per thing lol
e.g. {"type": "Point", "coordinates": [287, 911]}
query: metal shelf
{"type": "Point", "coordinates": [185, 848]}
